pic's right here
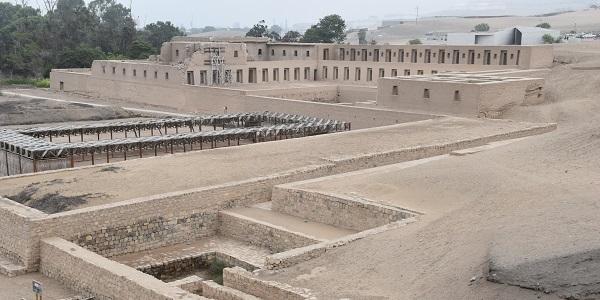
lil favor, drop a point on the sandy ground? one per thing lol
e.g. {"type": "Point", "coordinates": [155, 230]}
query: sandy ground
{"type": "Point", "coordinates": [20, 287]}
{"type": "Point", "coordinates": [533, 199]}
{"type": "Point", "coordinates": [20, 111]}
{"type": "Point", "coordinates": [586, 20]}
{"type": "Point", "coordinates": [188, 170]}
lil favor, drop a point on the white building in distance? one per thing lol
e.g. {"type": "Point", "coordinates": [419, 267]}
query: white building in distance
{"type": "Point", "coordinates": [509, 36]}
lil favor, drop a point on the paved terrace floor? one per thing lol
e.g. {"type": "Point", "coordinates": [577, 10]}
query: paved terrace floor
{"type": "Point", "coordinates": [145, 177]}
{"type": "Point", "coordinates": [240, 250]}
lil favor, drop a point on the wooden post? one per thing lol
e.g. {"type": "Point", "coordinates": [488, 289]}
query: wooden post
{"type": "Point", "coordinates": [125, 154]}
{"type": "Point", "coordinates": [98, 135]}
{"type": "Point", "coordinates": [93, 161]}
{"type": "Point", "coordinates": [72, 159]}
{"type": "Point", "coordinates": [155, 150]}
{"type": "Point", "coordinates": [140, 146]}
{"type": "Point", "coordinates": [69, 137]}
{"type": "Point", "coordinates": [111, 134]}
{"type": "Point", "coordinates": [184, 150]}
{"type": "Point", "coordinates": [81, 133]}
{"type": "Point", "coordinates": [171, 147]}
{"type": "Point", "coordinates": [6, 158]}
{"type": "Point", "coordinates": [107, 155]}
{"type": "Point", "coordinates": [51, 138]}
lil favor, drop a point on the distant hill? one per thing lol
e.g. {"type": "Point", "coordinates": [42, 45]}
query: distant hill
{"type": "Point", "coordinates": [582, 20]}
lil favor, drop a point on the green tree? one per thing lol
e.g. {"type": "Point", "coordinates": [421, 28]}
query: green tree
{"type": "Point", "coordinates": [158, 33]}
{"type": "Point", "coordinates": [544, 25]}
{"type": "Point", "coordinates": [140, 49]}
{"type": "Point", "coordinates": [362, 36]}
{"type": "Point", "coordinates": [292, 37]}
{"type": "Point", "coordinates": [277, 28]}
{"type": "Point", "coordinates": [115, 27]}
{"type": "Point", "coordinates": [549, 39]}
{"type": "Point", "coordinates": [79, 57]}
{"type": "Point", "coordinates": [20, 30]}
{"type": "Point", "coordinates": [330, 29]}
{"type": "Point", "coordinates": [209, 29]}
{"type": "Point", "coordinates": [483, 27]}
{"type": "Point", "coordinates": [258, 30]}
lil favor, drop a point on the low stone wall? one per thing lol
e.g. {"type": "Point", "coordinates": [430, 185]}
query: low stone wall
{"type": "Point", "coordinates": [94, 275]}
{"type": "Point", "coordinates": [150, 232]}
{"type": "Point", "coordinates": [181, 266]}
{"type": "Point", "coordinates": [261, 234]}
{"type": "Point", "coordinates": [339, 211]}
{"type": "Point", "coordinates": [298, 255]}
{"type": "Point", "coordinates": [242, 280]}
{"type": "Point", "coordinates": [192, 284]}
{"type": "Point", "coordinates": [213, 290]}
{"type": "Point", "coordinates": [16, 227]}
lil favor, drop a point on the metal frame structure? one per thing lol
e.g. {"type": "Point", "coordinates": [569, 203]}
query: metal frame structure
{"type": "Point", "coordinates": [218, 67]}
{"type": "Point", "coordinates": [29, 143]}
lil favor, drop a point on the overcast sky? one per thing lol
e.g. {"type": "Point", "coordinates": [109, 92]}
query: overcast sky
{"type": "Point", "coordinates": [227, 13]}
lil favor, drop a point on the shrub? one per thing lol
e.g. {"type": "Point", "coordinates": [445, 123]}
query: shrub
{"type": "Point", "coordinates": [42, 83]}
{"type": "Point", "coordinates": [39, 83]}
{"type": "Point", "coordinates": [544, 25]}
{"type": "Point", "coordinates": [482, 27]}
{"type": "Point", "coordinates": [415, 42]}
{"type": "Point", "coordinates": [549, 39]}
{"type": "Point", "coordinates": [215, 271]}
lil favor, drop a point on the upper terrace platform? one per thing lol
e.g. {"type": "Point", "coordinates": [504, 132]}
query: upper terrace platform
{"type": "Point", "coordinates": [362, 148]}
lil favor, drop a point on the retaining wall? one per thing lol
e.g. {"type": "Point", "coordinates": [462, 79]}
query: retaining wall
{"type": "Point", "coordinates": [242, 280]}
{"type": "Point", "coordinates": [261, 234]}
{"type": "Point", "coordinates": [345, 212]}
{"type": "Point", "coordinates": [181, 266]}
{"type": "Point", "coordinates": [96, 276]}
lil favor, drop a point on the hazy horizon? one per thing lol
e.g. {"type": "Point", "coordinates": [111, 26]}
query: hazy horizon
{"type": "Point", "coordinates": [229, 13]}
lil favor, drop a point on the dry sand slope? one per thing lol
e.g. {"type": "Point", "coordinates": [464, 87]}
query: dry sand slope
{"type": "Point", "coordinates": [534, 199]}
{"type": "Point", "coordinates": [585, 20]}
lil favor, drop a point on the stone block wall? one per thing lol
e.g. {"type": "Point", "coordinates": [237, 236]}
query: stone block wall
{"type": "Point", "coordinates": [126, 238]}
{"type": "Point", "coordinates": [340, 211]}
{"type": "Point", "coordinates": [261, 234]}
{"type": "Point", "coordinates": [213, 290]}
{"type": "Point", "coordinates": [94, 275]}
{"type": "Point", "coordinates": [178, 267]}
{"type": "Point", "coordinates": [242, 280]}
{"type": "Point", "coordinates": [16, 240]}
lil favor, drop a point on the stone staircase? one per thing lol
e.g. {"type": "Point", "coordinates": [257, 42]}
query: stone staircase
{"type": "Point", "coordinates": [261, 226]}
